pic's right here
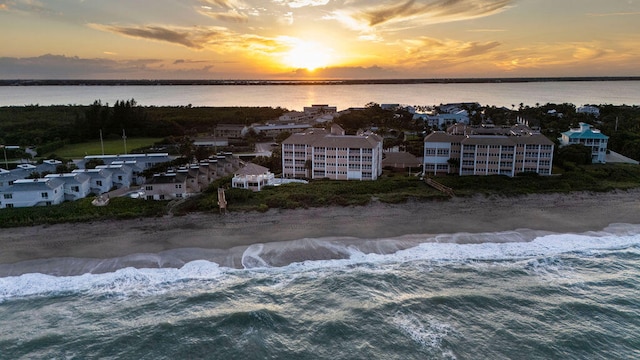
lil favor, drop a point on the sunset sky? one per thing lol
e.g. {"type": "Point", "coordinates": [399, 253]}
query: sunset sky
{"type": "Point", "coordinates": [326, 39]}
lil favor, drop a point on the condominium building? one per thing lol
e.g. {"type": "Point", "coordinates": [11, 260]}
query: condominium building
{"type": "Point", "coordinates": [318, 154]}
{"type": "Point", "coordinates": [487, 154]}
{"type": "Point", "coordinates": [590, 138]}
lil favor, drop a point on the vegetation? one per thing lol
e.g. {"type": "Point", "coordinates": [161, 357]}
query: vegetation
{"type": "Point", "coordinates": [51, 127]}
{"type": "Point", "coordinates": [59, 126]}
{"type": "Point", "coordinates": [115, 146]}
{"type": "Point", "coordinates": [81, 211]}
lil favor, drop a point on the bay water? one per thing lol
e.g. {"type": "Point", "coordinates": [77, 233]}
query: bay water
{"type": "Point", "coordinates": [295, 97]}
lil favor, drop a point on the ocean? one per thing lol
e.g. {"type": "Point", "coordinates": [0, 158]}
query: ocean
{"type": "Point", "coordinates": [508, 295]}
{"type": "Point", "coordinates": [296, 97]}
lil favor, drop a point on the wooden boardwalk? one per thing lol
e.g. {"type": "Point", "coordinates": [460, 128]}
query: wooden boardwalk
{"type": "Point", "coordinates": [436, 185]}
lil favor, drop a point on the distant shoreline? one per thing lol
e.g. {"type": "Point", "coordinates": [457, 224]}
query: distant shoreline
{"type": "Point", "coordinates": [161, 82]}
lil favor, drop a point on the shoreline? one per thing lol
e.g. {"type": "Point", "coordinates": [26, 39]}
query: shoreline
{"type": "Point", "coordinates": [226, 237]}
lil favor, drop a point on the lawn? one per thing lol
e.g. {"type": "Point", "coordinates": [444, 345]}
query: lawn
{"type": "Point", "coordinates": [113, 147]}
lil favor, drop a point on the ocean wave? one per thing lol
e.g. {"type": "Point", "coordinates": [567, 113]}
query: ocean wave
{"type": "Point", "coordinates": [307, 256]}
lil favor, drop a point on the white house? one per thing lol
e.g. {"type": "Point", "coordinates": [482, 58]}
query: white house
{"type": "Point", "coordinates": [588, 137]}
{"type": "Point", "coordinates": [588, 109]}
{"type": "Point", "coordinates": [33, 192]}
{"type": "Point", "coordinates": [76, 185]}
{"type": "Point", "coordinates": [253, 177]}
{"type": "Point", "coordinates": [121, 175]}
{"type": "Point", "coordinates": [101, 179]}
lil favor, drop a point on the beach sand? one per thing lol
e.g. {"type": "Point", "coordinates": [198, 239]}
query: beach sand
{"type": "Point", "coordinates": [217, 236]}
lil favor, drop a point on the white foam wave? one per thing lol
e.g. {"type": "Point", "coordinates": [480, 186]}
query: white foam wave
{"type": "Point", "coordinates": [123, 282]}
{"type": "Point", "coordinates": [149, 281]}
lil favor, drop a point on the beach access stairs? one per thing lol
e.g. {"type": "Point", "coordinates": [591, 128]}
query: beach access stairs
{"type": "Point", "coordinates": [436, 185]}
{"type": "Point", "coordinates": [222, 201]}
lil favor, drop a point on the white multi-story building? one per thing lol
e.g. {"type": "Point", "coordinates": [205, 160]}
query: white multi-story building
{"type": "Point", "coordinates": [487, 154]}
{"type": "Point", "coordinates": [591, 138]}
{"type": "Point", "coordinates": [319, 154]}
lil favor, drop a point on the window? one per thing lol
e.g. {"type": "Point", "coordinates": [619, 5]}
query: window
{"type": "Point", "coordinates": [161, 197]}
{"type": "Point", "coordinates": [149, 197]}
{"type": "Point", "coordinates": [178, 186]}
{"type": "Point", "coordinates": [8, 196]}
{"type": "Point", "coordinates": [44, 195]}
{"type": "Point", "coordinates": [148, 187]}
{"type": "Point", "coordinates": [9, 206]}
{"type": "Point", "coordinates": [48, 203]}
{"type": "Point", "coordinates": [120, 177]}
{"type": "Point", "coordinates": [75, 188]}
{"type": "Point", "coordinates": [178, 195]}
{"type": "Point", "coordinates": [99, 182]}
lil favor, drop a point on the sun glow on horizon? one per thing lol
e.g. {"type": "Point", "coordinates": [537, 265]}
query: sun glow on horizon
{"type": "Point", "coordinates": [308, 55]}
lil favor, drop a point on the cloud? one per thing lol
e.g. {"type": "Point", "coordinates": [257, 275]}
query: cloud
{"type": "Point", "coordinates": [301, 3]}
{"type": "Point", "coordinates": [426, 49]}
{"type": "Point", "coordinates": [72, 67]}
{"type": "Point", "coordinates": [235, 11]}
{"type": "Point", "coordinates": [231, 15]}
{"type": "Point", "coordinates": [633, 13]}
{"type": "Point", "coordinates": [191, 37]}
{"type": "Point", "coordinates": [362, 16]}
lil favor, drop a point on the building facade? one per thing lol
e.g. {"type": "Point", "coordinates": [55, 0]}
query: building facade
{"type": "Point", "coordinates": [591, 138]}
{"type": "Point", "coordinates": [487, 154]}
{"type": "Point", "coordinates": [319, 154]}
{"type": "Point", "coordinates": [33, 192]}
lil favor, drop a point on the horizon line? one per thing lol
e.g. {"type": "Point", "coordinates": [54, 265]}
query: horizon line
{"type": "Point", "coordinates": [125, 82]}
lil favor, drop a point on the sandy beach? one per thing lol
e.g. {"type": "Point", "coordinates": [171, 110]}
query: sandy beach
{"type": "Point", "coordinates": [222, 235]}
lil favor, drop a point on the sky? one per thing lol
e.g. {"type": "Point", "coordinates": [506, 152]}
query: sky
{"type": "Point", "coordinates": [317, 39]}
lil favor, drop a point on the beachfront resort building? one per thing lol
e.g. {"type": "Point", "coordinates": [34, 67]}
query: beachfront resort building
{"type": "Point", "coordinates": [319, 154]}
{"type": "Point", "coordinates": [504, 152]}
{"type": "Point", "coordinates": [589, 137]}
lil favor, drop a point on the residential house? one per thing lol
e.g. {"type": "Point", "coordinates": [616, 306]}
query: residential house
{"type": "Point", "coordinates": [319, 154]}
{"type": "Point", "coordinates": [229, 130]}
{"type": "Point", "coordinates": [145, 161]}
{"type": "Point", "coordinates": [101, 179]}
{"type": "Point", "coordinates": [588, 109]}
{"type": "Point", "coordinates": [589, 137]}
{"type": "Point", "coordinates": [76, 185]}
{"type": "Point", "coordinates": [8, 177]}
{"type": "Point", "coordinates": [48, 166]}
{"type": "Point", "coordinates": [272, 130]}
{"type": "Point", "coordinates": [121, 175]}
{"type": "Point", "coordinates": [33, 192]}
{"type": "Point", "coordinates": [167, 186]}
{"type": "Point", "coordinates": [253, 177]}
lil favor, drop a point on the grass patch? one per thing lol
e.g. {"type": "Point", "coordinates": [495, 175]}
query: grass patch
{"type": "Point", "coordinates": [81, 211]}
{"type": "Point", "coordinates": [110, 147]}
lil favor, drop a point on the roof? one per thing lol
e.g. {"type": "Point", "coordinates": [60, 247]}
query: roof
{"type": "Point", "coordinates": [442, 137]}
{"type": "Point", "coordinates": [167, 179]}
{"type": "Point", "coordinates": [488, 140]}
{"type": "Point", "coordinates": [588, 134]}
{"type": "Point", "coordinates": [400, 159]}
{"type": "Point", "coordinates": [37, 184]}
{"type": "Point", "coordinates": [584, 132]}
{"type": "Point", "coordinates": [70, 178]}
{"type": "Point", "coordinates": [320, 137]}
{"type": "Point", "coordinates": [252, 169]}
